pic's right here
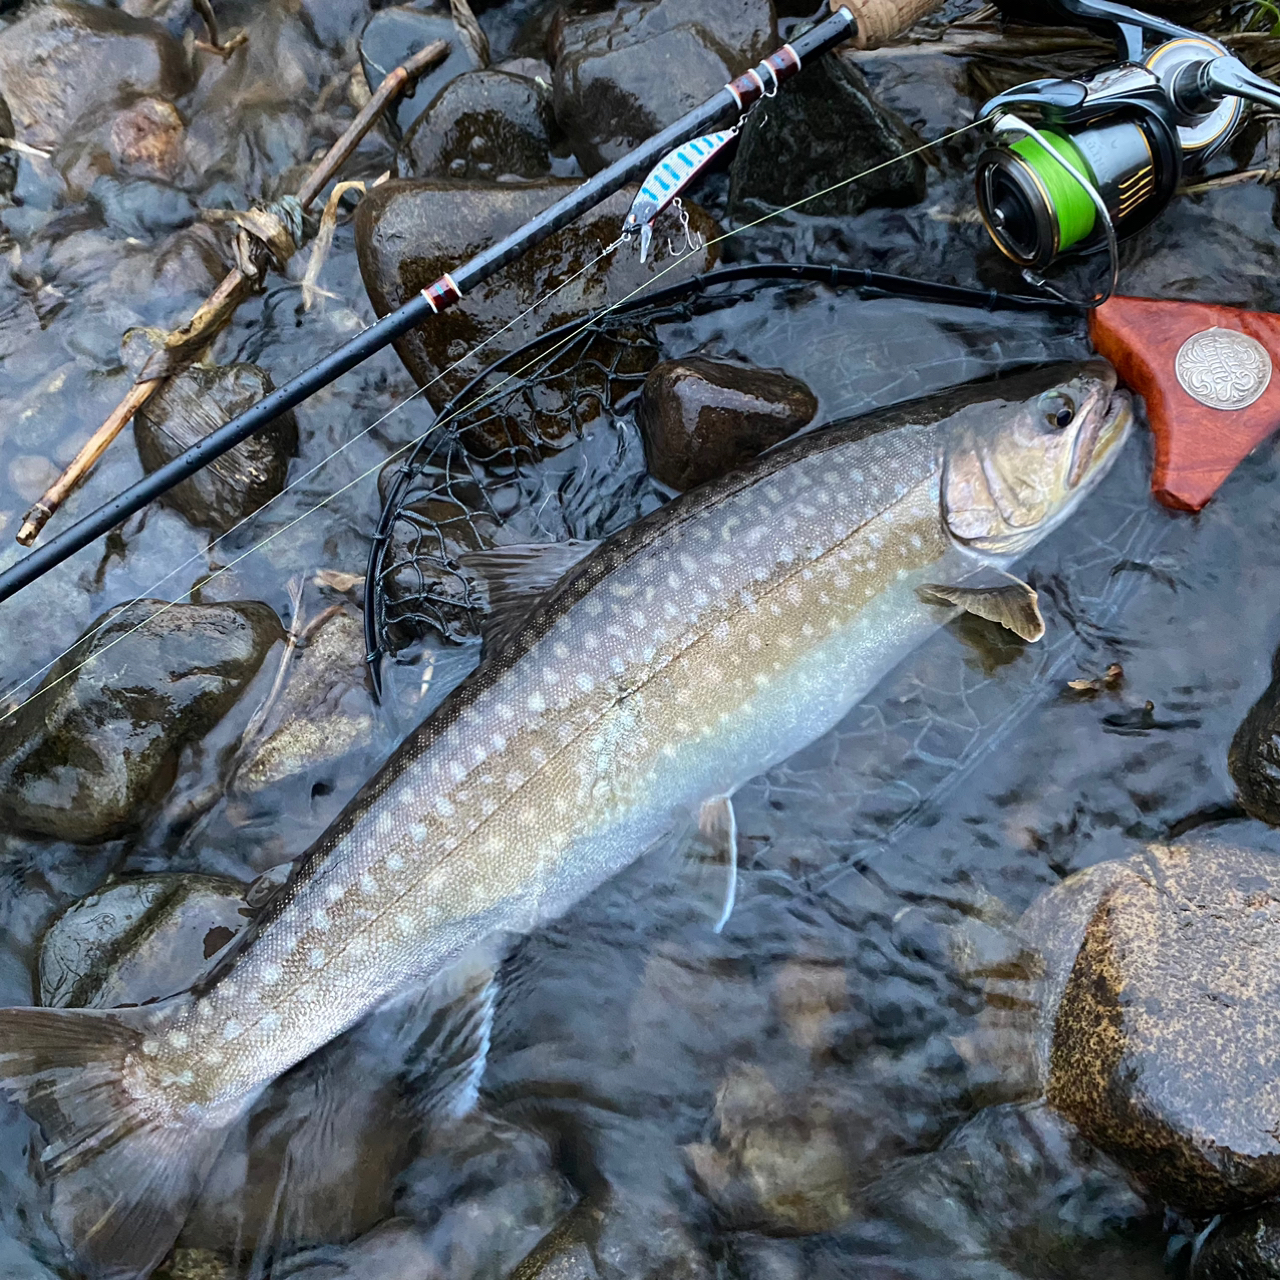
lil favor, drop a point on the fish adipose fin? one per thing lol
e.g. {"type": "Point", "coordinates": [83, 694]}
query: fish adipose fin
{"type": "Point", "coordinates": [1011, 603]}
{"type": "Point", "coordinates": [516, 578]}
{"type": "Point", "coordinates": [719, 827]}
{"type": "Point", "coordinates": [123, 1180]}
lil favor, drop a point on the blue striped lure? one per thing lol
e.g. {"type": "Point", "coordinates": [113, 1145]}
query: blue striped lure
{"type": "Point", "coordinates": [668, 180]}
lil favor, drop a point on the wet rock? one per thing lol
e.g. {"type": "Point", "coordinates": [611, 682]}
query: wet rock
{"type": "Point", "coordinates": [825, 126]}
{"type": "Point", "coordinates": [622, 76]}
{"type": "Point", "coordinates": [1169, 1018]}
{"type": "Point", "coordinates": [1253, 758]}
{"type": "Point", "coordinates": [189, 261]}
{"type": "Point", "coordinates": [410, 232]}
{"type": "Point", "coordinates": [189, 407]}
{"type": "Point", "coordinates": [567, 1251]}
{"type": "Point", "coordinates": [62, 60]}
{"type": "Point", "coordinates": [30, 474]}
{"type": "Point", "coordinates": [143, 140]}
{"type": "Point", "coordinates": [95, 748]}
{"type": "Point", "coordinates": [777, 1164]}
{"type": "Point", "coordinates": [323, 712]}
{"type": "Point", "coordinates": [396, 33]}
{"type": "Point", "coordinates": [701, 418]}
{"type": "Point", "coordinates": [1245, 1246]}
{"type": "Point", "coordinates": [1016, 1187]}
{"type": "Point", "coordinates": [485, 125]}
{"type": "Point", "coordinates": [138, 940]}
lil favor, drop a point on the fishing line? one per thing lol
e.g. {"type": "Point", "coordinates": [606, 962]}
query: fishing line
{"type": "Point", "coordinates": [480, 402]}
{"type": "Point", "coordinates": [293, 484]}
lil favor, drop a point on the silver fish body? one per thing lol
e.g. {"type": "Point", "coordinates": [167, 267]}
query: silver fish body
{"type": "Point", "coordinates": [681, 658]}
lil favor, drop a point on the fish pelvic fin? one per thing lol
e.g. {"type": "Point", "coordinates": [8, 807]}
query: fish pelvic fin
{"type": "Point", "coordinates": [123, 1179]}
{"type": "Point", "coordinates": [1012, 603]}
{"type": "Point", "coordinates": [719, 827]}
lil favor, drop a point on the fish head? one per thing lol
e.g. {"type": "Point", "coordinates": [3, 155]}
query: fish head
{"type": "Point", "coordinates": [1017, 466]}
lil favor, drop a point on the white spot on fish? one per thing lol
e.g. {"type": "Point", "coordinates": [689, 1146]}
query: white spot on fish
{"type": "Point", "coordinates": [585, 682]}
{"type": "Point", "coordinates": [405, 923]}
{"type": "Point", "coordinates": [498, 742]}
{"type": "Point", "coordinates": [395, 862]}
{"type": "Point", "coordinates": [320, 920]}
{"type": "Point", "coordinates": [505, 712]}
{"type": "Point", "coordinates": [560, 650]}
{"type": "Point", "coordinates": [230, 1029]}
{"type": "Point", "coordinates": [515, 780]}
{"type": "Point", "coordinates": [335, 892]}
{"type": "Point", "coordinates": [368, 884]}
{"type": "Point", "coordinates": [550, 675]}
{"type": "Point", "coordinates": [418, 832]}
{"type": "Point", "coordinates": [151, 1047]}
{"type": "Point", "coordinates": [179, 1039]}
{"type": "Point", "coordinates": [270, 1022]}
{"type": "Point", "coordinates": [443, 807]}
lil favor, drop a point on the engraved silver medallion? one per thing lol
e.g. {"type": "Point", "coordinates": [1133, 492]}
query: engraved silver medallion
{"type": "Point", "coordinates": [1223, 368]}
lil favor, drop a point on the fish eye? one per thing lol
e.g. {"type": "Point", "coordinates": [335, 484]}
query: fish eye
{"type": "Point", "coordinates": [1057, 409]}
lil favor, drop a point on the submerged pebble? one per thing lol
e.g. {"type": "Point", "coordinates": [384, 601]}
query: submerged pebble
{"type": "Point", "coordinates": [485, 125]}
{"type": "Point", "coordinates": [60, 61]}
{"type": "Point", "coordinates": [92, 752]}
{"type": "Point", "coordinates": [1159, 1047]}
{"type": "Point", "coordinates": [701, 418]}
{"type": "Point", "coordinates": [138, 940]}
{"type": "Point", "coordinates": [200, 400]}
{"type": "Point", "coordinates": [622, 75]}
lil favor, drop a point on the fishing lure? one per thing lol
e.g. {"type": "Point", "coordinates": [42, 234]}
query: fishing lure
{"type": "Point", "coordinates": [674, 174]}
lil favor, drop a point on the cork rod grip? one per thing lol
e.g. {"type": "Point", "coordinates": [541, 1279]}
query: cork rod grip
{"type": "Point", "coordinates": [880, 20]}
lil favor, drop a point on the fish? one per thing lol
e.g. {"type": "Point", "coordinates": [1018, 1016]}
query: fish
{"type": "Point", "coordinates": [626, 686]}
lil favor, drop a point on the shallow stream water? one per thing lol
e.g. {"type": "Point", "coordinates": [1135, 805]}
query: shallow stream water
{"type": "Point", "coordinates": [806, 1051]}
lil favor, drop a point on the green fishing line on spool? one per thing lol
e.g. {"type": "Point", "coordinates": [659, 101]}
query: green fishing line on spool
{"type": "Point", "coordinates": [1071, 203]}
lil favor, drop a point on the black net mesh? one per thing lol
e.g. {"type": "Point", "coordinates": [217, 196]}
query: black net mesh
{"type": "Point", "coordinates": [502, 456]}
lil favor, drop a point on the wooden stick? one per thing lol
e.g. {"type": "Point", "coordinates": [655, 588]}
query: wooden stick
{"type": "Point", "coordinates": [182, 345]}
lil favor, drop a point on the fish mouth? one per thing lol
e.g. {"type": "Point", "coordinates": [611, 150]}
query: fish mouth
{"type": "Point", "coordinates": [1106, 429]}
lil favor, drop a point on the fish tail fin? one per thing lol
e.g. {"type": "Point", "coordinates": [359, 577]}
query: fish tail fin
{"type": "Point", "coordinates": [124, 1178]}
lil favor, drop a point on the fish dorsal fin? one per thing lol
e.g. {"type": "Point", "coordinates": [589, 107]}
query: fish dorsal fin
{"type": "Point", "coordinates": [516, 578]}
{"type": "Point", "coordinates": [1010, 602]}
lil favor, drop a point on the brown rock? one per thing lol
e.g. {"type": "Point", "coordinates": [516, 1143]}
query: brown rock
{"type": "Point", "coordinates": [146, 138]}
{"type": "Point", "coordinates": [701, 418]}
{"type": "Point", "coordinates": [487, 125]}
{"type": "Point", "coordinates": [408, 233]}
{"type": "Point", "coordinates": [62, 60]}
{"type": "Point", "coordinates": [1165, 1040]}
{"type": "Point", "coordinates": [200, 400]}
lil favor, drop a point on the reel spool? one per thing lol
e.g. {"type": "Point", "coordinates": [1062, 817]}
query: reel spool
{"type": "Point", "coordinates": [1108, 151]}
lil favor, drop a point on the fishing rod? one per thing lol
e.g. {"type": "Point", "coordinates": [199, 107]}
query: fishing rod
{"type": "Point", "coordinates": [663, 149]}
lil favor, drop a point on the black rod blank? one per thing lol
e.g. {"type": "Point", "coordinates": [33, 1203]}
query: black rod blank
{"type": "Point", "coordinates": [825, 35]}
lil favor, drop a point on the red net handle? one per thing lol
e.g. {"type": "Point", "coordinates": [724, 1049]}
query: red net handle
{"type": "Point", "coordinates": [880, 20]}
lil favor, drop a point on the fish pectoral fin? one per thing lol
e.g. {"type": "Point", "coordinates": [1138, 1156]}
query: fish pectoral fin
{"type": "Point", "coordinates": [124, 1179]}
{"type": "Point", "coordinates": [516, 578]}
{"type": "Point", "coordinates": [719, 827]}
{"type": "Point", "coordinates": [1012, 603]}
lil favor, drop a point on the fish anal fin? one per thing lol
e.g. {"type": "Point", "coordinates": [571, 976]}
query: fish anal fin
{"type": "Point", "coordinates": [719, 827]}
{"type": "Point", "coordinates": [1012, 603]}
{"type": "Point", "coordinates": [516, 578]}
{"type": "Point", "coordinates": [123, 1179]}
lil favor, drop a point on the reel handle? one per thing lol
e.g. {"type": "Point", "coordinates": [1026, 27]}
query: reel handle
{"type": "Point", "coordinates": [1200, 86]}
{"type": "Point", "coordinates": [879, 21]}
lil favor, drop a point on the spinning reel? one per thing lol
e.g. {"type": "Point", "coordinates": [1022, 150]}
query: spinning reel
{"type": "Point", "coordinates": [1076, 165]}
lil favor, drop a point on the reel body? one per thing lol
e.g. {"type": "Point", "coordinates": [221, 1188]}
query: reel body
{"type": "Point", "coordinates": [1075, 165]}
